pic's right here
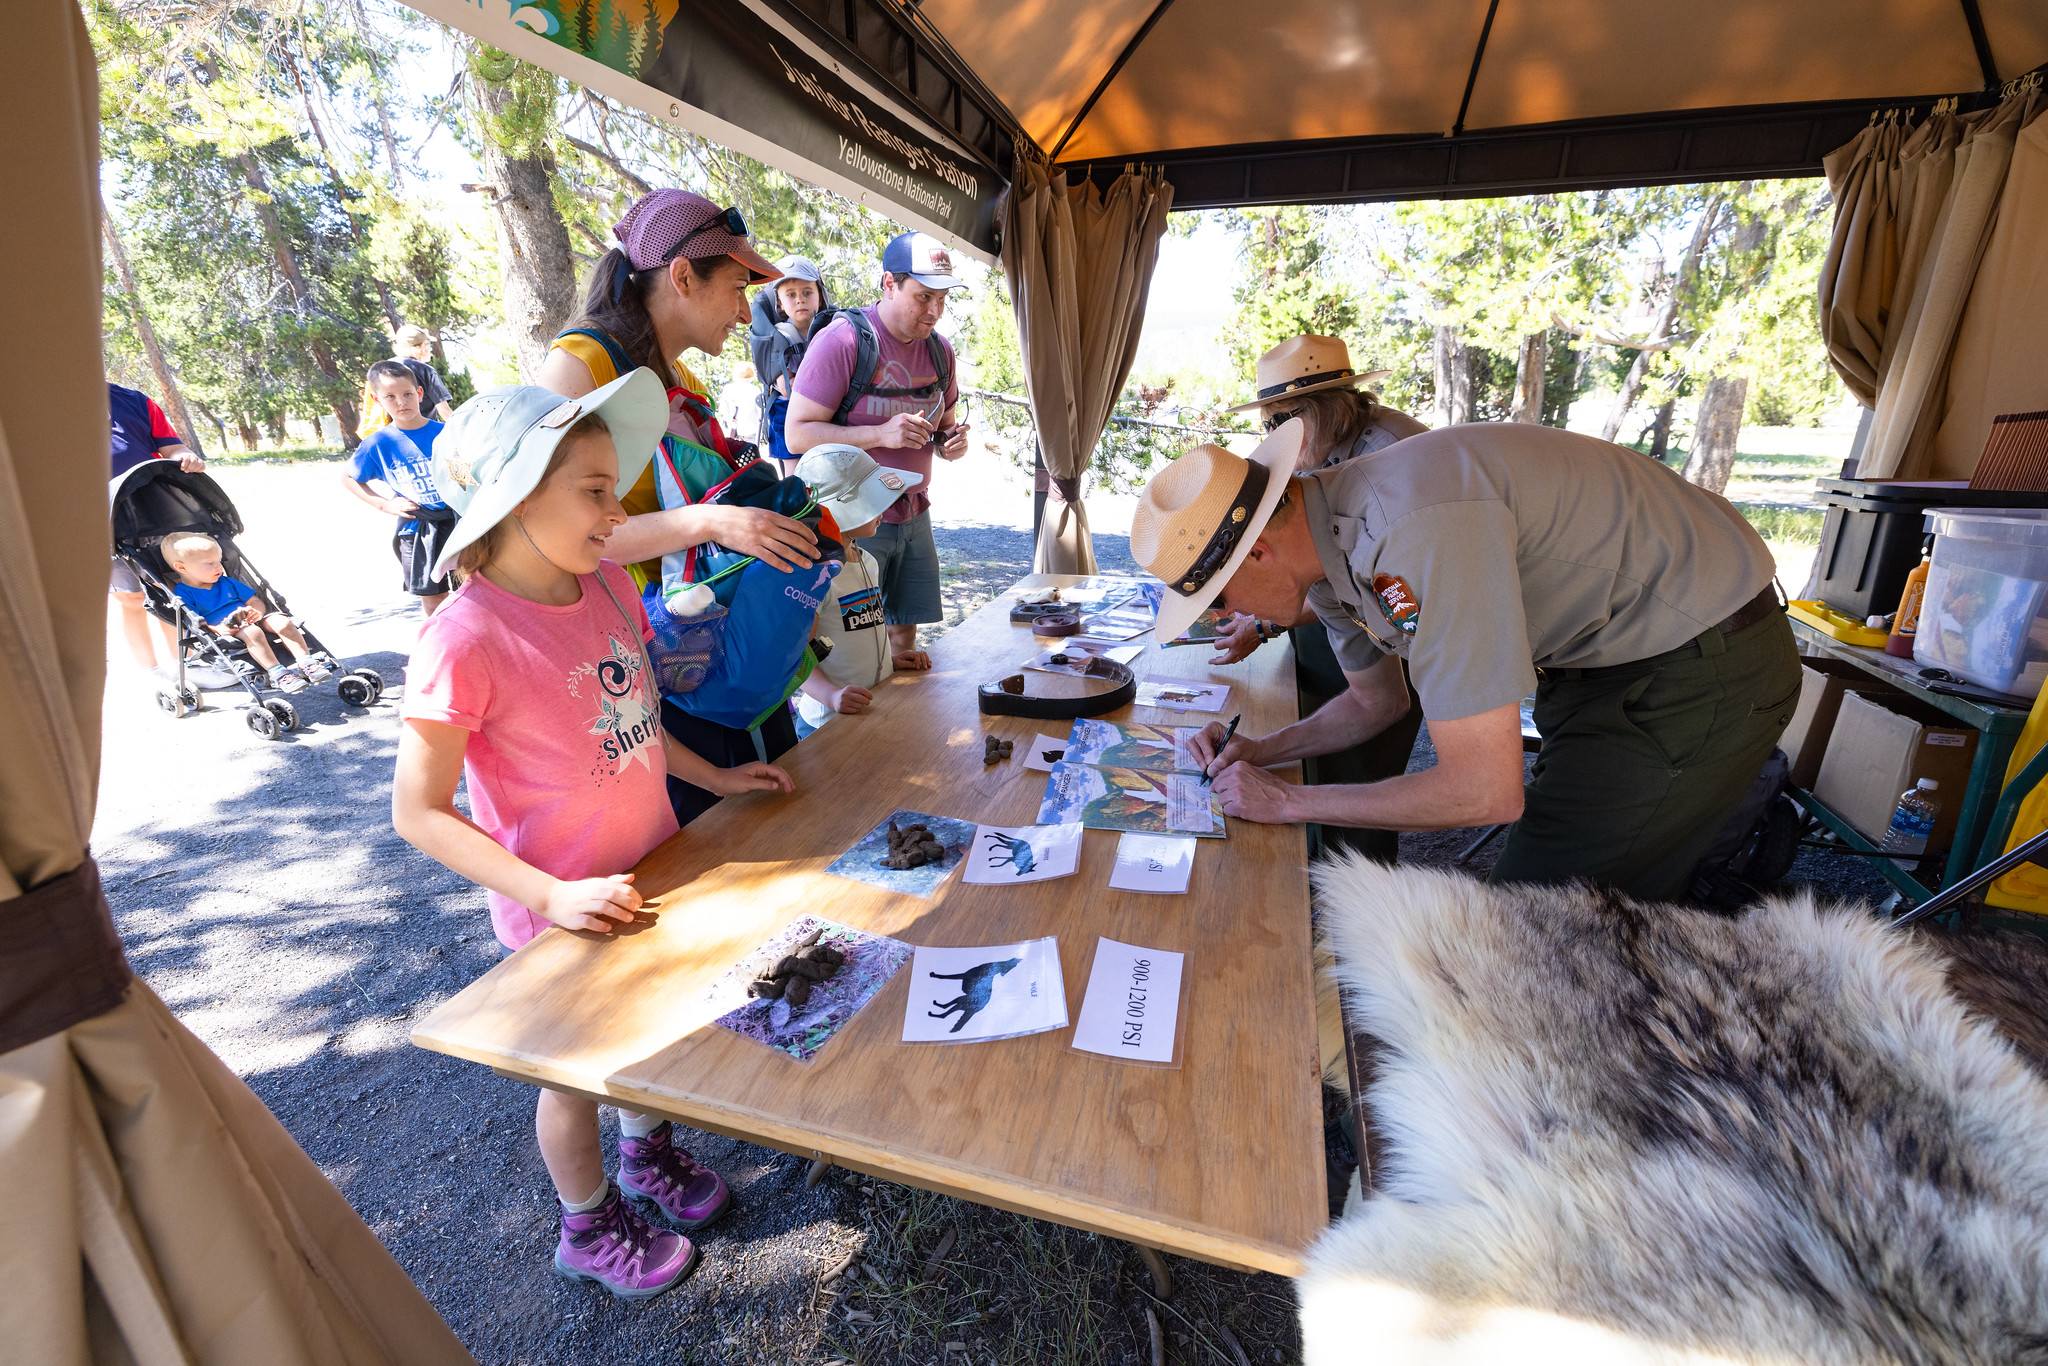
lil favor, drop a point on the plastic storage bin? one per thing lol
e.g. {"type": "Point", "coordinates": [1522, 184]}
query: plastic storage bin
{"type": "Point", "coordinates": [1870, 536]}
{"type": "Point", "coordinates": [1985, 617]}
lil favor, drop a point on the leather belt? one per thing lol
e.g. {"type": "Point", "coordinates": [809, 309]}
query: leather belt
{"type": "Point", "coordinates": [1763, 605]}
{"type": "Point", "coordinates": [1753, 611]}
{"type": "Point", "coordinates": [1006, 697]}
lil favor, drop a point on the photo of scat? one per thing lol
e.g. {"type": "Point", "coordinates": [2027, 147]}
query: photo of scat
{"type": "Point", "coordinates": [801, 987]}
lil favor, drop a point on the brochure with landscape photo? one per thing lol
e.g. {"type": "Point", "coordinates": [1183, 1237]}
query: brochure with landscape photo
{"type": "Point", "coordinates": [1207, 629]}
{"type": "Point", "coordinates": [1131, 799]}
{"type": "Point", "coordinates": [1132, 744]}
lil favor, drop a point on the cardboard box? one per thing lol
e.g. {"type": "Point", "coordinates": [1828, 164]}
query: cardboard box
{"type": "Point", "coordinates": [1822, 682]}
{"type": "Point", "coordinates": [1884, 743]}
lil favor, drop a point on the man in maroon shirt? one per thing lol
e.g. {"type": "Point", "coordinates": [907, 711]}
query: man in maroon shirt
{"type": "Point", "coordinates": [903, 417]}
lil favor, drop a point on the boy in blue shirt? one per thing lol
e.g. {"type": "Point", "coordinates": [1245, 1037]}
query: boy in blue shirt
{"type": "Point", "coordinates": [392, 471]}
{"type": "Point", "coordinates": [232, 608]}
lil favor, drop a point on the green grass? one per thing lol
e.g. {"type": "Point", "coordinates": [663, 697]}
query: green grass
{"type": "Point", "coordinates": [1022, 1292]}
{"type": "Point", "coordinates": [291, 454]}
{"type": "Point", "coordinates": [1789, 525]}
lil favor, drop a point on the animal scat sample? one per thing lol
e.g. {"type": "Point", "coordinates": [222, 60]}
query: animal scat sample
{"type": "Point", "coordinates": [995, 749]}
{"type": "Point", "coordinates": [913, 847]}
{"type": "Point", "coordinates": [791, 978]}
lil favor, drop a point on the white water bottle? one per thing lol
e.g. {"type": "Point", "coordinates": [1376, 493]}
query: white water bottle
{"type": "Point", "coordinates": [1913, 824]}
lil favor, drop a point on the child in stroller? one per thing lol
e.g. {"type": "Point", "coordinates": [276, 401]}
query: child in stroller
{"type": "Point", "coordinates": [232, 608]}
{"type": "Point", "coordinates": [156, 500]}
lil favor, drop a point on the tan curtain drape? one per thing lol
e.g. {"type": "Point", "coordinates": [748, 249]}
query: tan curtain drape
{"type": "Point", "coordinates": [151, 1209]}
{"type": "Point", "coordinates": [1915, 213]}
{"type": "Point", "coordinates": [1079, 262]}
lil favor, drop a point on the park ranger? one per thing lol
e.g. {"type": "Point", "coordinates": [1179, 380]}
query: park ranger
{"type": "Point", "coordinates": [1498, 560]}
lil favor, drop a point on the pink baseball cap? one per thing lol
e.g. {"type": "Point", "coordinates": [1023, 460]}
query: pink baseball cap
{"type": "Point", "coordinates": [670, 223]}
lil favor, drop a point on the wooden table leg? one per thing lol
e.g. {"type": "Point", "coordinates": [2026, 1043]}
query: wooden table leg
{"type": "Point", "coordinates": [819, 1166]}
{"type": "Point", "coordinates": [1157, 1269]}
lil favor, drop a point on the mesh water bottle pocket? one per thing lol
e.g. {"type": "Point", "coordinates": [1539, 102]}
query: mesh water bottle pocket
{"type": "Point", "coordinates": [684, 649]}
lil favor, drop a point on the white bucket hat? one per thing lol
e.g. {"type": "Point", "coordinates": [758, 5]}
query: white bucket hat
{"type": "Point", "coordinates": [1304, 365]}
{"type": "Point", "coordinates": [1199, 516]}
{"type": "Point", "coordinates": [848, 483]}
{"type": "Point", "coordinates": [496, 447]}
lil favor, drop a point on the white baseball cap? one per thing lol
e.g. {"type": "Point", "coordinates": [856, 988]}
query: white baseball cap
{"type": "Point", "coordinates": [496, 447]}
{"type": "Point", "coordinates": [848, 483]}
{"type": "Point", "coordinates": [923, 258]}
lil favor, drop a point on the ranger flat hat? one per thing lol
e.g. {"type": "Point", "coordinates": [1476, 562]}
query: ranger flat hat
{"type": "Point", "coordinates": [1303, 365]}
{"type": "Point", "coordinates": [1198, 518]}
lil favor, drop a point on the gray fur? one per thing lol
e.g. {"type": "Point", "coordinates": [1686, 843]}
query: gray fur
{"type": "Point", "coordinates": [1647, 1133]}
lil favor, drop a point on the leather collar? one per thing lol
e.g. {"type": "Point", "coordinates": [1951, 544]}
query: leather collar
{"type": "Point", "coordinates": [1006, 696]}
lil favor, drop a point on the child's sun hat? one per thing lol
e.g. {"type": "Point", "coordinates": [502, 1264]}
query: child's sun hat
{"type": "Point", "coordinates": [848, 482]}
{"type": "Point", "coordinates": [497, 446]}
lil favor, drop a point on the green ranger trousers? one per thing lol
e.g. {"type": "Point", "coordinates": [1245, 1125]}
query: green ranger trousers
{"type": "Point", "coordinates": [1643, 763]}
{"type": "Point", "coordinates": [1318, 678]}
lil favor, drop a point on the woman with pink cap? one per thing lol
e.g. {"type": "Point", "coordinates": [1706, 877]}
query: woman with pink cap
{"type": "Point", "coordinates": [679, 280]}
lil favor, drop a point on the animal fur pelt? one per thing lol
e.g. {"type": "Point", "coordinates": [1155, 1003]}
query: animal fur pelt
{"type": "Point", "coordinates": [1629, 1133]}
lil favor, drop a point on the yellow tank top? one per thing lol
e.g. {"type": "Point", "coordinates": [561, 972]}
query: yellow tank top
{"type": "Point", "coordinates": [642, 497]}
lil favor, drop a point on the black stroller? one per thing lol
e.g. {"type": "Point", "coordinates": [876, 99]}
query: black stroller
{"type": "Point", "coordinates": [150, 501]}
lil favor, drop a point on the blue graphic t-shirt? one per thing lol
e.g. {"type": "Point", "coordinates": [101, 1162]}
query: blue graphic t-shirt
{"type": "Point", "coordinates": [403, 460]}
{"type": "Point", "coordinates": [214, 605]}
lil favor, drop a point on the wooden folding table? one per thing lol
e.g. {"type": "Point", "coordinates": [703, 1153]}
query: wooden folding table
{"type": "Point", "coordinates": [1220, 1159]}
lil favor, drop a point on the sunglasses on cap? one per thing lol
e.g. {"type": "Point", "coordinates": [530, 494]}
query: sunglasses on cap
{"type": "Point", "coordinates": [727, 219]}
{"type": "Point", "coordinates": [1277, 419]}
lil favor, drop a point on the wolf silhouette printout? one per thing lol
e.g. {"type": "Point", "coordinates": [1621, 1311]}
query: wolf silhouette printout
{"type": "Point", "coordinates": [1001, 855]}
{"type": "Point", "coordinates": [995, 991]}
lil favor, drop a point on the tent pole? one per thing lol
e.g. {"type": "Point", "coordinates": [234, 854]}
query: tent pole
{"type": "Point", "coordinates": [1038, 482]}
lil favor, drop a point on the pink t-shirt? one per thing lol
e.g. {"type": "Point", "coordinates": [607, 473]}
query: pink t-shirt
{"type": "Point", "coordinates": [827, 373]}
{"type": "Point", "coordinates": [565, 759]}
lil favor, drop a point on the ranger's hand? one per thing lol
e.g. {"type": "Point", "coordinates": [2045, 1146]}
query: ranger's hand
{"type": "Point", "coordinates": [954, 442]}
{"type": "Point", "coordinates": [1241, 639]}
{"type": "Point", "coordinates": [1249, 791]}
{"type": "Point", "coordinates": [1202, 748]}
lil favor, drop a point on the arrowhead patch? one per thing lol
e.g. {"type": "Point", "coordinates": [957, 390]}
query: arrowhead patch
{"type": "Point", "coordinates": [1397, 602]}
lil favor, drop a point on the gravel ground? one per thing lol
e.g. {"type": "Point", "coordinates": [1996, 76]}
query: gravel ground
{"type": "Point", "coordinates": [260, 890]}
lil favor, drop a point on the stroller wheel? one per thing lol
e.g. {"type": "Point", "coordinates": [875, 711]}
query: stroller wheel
{"type": "Point", "coordinates": [189, 695]}
{"type": "Point", "coordinates": [376, 681]}
{"type": "Point", "coordinates": [260, 720]}
{"type": "Point", "coordinates": [287, 715]}
{"type": "Point", "coordinates": [356, 690]}
{"type": "Point", "coordinates": [169, 702]}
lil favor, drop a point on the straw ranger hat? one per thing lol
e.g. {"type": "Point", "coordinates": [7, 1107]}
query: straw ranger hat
{"type": "Point", "coordinates": [1302, 365]}
{"type": "Point", "coordinates": [1198, 518]}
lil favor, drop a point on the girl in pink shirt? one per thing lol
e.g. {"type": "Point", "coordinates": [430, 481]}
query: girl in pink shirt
{"type": "Point", "coordinates": [532, 680]}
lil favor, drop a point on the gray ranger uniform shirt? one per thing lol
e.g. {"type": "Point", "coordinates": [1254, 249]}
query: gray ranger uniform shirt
{"type": "Point", "coordinates": [1483, 551]}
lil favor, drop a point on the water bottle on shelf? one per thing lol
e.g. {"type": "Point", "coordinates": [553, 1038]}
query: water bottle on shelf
{"type": "Point", "coordinates": [1913, 824]}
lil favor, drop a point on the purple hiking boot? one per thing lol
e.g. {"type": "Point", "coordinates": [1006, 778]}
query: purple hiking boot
{"type": "Point", "coordinates": [653, 1170]}
{"type": "Point", "coordinates": [622, 1252]}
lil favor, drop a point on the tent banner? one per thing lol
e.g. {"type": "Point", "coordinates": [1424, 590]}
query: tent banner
{"type": "Point", "coordinates": [748, 80]}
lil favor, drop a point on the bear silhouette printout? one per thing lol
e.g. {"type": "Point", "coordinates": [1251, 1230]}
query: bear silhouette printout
{"type": "Point", "coordinates": [992, 991]}
{"type": "Point", "coordinates": [1001, 855]}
